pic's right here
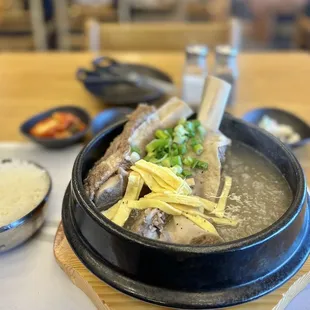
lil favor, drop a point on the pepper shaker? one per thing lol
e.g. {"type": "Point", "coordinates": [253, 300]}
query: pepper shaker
{"type": "Point", "coordinates": [226, 68]}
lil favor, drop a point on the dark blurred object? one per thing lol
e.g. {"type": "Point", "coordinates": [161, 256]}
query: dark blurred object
{"type": "Point", "coordinates": [282, 117]}
{"type": "Point", "coordinates": [112, 82]}
{"type": "Point", "coordinates": [273, 20]}
{"type": "Point", "coordinates": [284, 31]}
{"type": "Point", "coordinates": [107, 66]}
{"type": "Point", "coordinates": [240, 9]}
{"type": "Point", "coordinates": [48, 9]}
{"type": "Point", "coordinates": [109, 117]}
{"type": "Point", "coordinates": [302, 38]}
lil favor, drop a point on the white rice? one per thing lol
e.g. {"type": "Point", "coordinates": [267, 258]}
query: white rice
{"type": "Point", "coordinates": [22, 187]}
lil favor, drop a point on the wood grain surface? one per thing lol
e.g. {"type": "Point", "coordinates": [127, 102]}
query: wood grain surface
{"type": "Point", "coordinates": [160, 36]}
{"type": "Point", "coordinates": [31, 83]}
{"type": "Point", "coordinates": [105, 297]}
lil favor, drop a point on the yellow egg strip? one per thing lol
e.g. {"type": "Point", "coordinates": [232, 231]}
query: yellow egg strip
{"type": "Point", "coordinates": [149, 180]}
{"type": "Point", "coordinates": [190, 182]}
{"type": "Point", "coordinates": [216, 220]}
{"type": "Point", "coordinates": [110, 213]}
{"type": "Point", "coordinates": [145, 203]}
{"type": "Point", "coordinates": [220, 208]}
{"type": "Point", "coordinates": [134, 186]}
{"type": "Point", "coordinates": [191, 201]}
{"type": "Point", "coordinates": [222, 221]}
{"type": "Point", "coordinates": [163, 184]}
{"type": "Point", "coordinates": [202, 223]}
{"type": "Point", "coordinates": [184, 189]}
{"type": "Point", "coordinates": [133, 190]}
{"type": "Point", "coordinates": [122, 214]}
{"type": "Point", "coordinates": [165, 174]}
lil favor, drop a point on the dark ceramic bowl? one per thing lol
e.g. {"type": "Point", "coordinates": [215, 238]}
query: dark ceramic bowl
{"type": "Point", "coordinates": [123, 93]}
{"type": "Point", "coordinates": [282, 117]}
{"type": "Point", "coordinates": [52, 142]}
{"type": "Point", "coordinates": [184, 276]}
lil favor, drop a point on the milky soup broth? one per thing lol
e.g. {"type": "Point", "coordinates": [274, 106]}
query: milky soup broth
{"type": "Point", "coordinates": [259, 196]}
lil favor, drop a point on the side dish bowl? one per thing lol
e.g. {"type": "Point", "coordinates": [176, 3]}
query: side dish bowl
{"type": "Point", "coordinates": [186, 276]}
{"type": "Point", "coordinates": [21, 229]}
{"type": "Point", "coordinates": [26, 127]}
{"type": "Point", "coordinates": [282, 117]}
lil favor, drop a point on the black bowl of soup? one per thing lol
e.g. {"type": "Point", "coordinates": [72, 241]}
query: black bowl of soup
{"type": "Point", "coordinates": [269, 196]}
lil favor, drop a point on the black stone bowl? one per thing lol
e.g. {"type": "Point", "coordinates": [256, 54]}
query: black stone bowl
{"type": "Point", "coordinates": [54, 143]}
{"type": "Point", "coordinates": [184, 276]}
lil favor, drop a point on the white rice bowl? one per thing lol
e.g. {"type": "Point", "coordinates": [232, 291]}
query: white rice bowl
{"type": "Point", "coordinates": [23, 186]}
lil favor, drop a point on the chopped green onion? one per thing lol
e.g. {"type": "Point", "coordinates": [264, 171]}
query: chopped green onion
{"type": "Point", "coordinates": [174, 146]}
{"type": "Point", "coordinates": [201, 165]}
{"type": "Point", "coordinates": [153, 160]}
{"type": "Point", "coordinates": [179, 139]}
{"type": "Point", "coordinates": [169, 131]}
{"type": "Point", "coordinates": [202, 131]}
{"type": "Point", "coordinates": [179, 130]}
{"type": "Point", "coordinates": [135, 149]}
{"type": "Point", "coordinates": [182, 149]}
{"type": "Point", "coordinates": [161, 134]}
{"type": "Point", "coordinates": [177, 169]}
{"type": "Point", "coordinates": [155, 144]}
{"type": "Point", "coordinates": [196, 123]}
{"type": "Point", "coordinates": [198, 149]}
{"type": "Point", "coordinates": [189, 127]}
{"type": "Point", "coordinates": [161, 158]}
{"type": "Point", "coordinates": [195, 141]}
{"type": "Point", "coordinates": [195, 162]}
{"type": "Point", "coordinates": [149, 156]}
{"type": "Point", "coordinates": [188, 161]}
{"type": "Point", "coordinates": [187, 173]}
{"type": "Point", "coordinates": [166, 162]}
{"type": "Point", "coordinates": [176, 160]}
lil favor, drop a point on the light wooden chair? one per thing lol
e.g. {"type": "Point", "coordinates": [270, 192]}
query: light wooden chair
{"type": "Point", "coordinates": [160, 36]}
{"type": "Point", "coordinates": [175, 12]}
{"type": "Point", "coordinates": [208, 10]}
{"type": "Point", "coordinates": [22, 29]}
{"type": "Point", "coordinates": [70, 19]}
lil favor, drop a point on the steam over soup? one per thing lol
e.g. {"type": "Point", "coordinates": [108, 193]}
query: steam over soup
{"type": "Point", "coordinates": [174, 180]}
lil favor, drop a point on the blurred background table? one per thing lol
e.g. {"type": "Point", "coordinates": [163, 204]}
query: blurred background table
{"type": "Point", "coordinates": [31, 82]}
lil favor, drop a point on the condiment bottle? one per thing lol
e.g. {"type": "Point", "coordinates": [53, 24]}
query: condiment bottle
{"type": "Point", "coordinates": [194, 74]}
{"type": "Point", "coordinates": [226, 68]}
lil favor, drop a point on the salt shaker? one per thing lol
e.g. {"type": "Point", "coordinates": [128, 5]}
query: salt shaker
{"type": "Point", "coordinates": [226, 68]}
{"type": "Point", "coordinates": [194, 74]}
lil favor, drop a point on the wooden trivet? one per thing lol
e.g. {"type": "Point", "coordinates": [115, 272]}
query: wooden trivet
{"type": "Point", "coordinates": [106, 298]}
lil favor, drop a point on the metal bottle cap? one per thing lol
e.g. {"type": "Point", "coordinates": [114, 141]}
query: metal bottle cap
{"type": "Point", "coordinates": [197, 49]}
{"type": "Point", "coordinates": [226, 50]}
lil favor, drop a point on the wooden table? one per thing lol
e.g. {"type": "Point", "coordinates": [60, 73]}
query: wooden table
{"type": "Point", "coordinates": [30, 83]}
